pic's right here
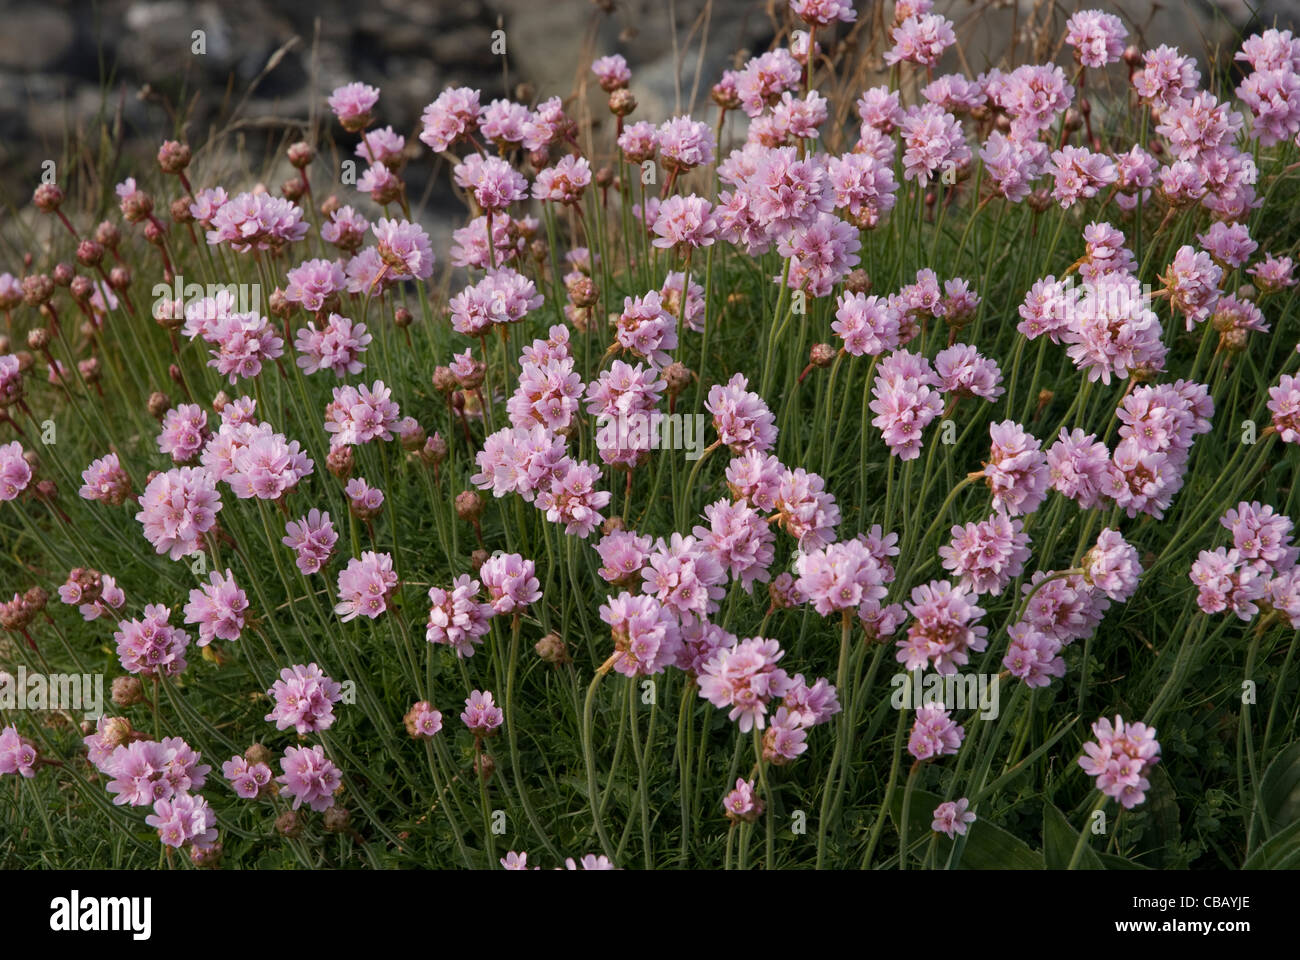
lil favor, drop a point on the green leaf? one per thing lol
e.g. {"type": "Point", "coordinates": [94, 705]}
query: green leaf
{"type": "Point", "coordinates": [1277, 803]}
{"type": "Point", "coordinates": [1113, 861]}
{"type": "Point", "coordinates": [1059, 841]}
{"type": "Point", "coordinates": [1282, 852]}
{"type": "Point", "coordinates": [985, 847]}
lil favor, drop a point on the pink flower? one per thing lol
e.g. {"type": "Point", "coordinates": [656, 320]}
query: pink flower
{"type": "Point", "coordinates": [1262, 536]}
{"type": "Point", "coordinates": [1014, 164]}
{"type": "Point", "coordinates": [1229, 243]}
{"type": "Point", "coordinates": [456, 618]}
{"type": "Point", "coordinates": [639, 141]}
{"type": "Point", "coordinates": [248, 780]}
{"type": "Point", "coordinates": [741, 805]}
{"type": "Point", "coordinates": [1119, 757]}
{"type": "Point", "coordinates": [1097, 37]}
{"type": "Point", "coordinates": [15, 473]}
{"type": "Point", "coordinates": [177, 508]}
{"type": "Point", "coordinates": [313, 282]}
{"type": "Point", "coordinates": [422, 721]}
{"type": "Point", "coordinates": [365, 586]}
{"type": "Point", "coordinates": [360, 414]}
{"type": "Point", "coordinates": [312, 537]}
{"type": "Point", "coordinates": [952, 818]}
{"type": "Point", "coordinates": [337, 346]}
{"type": "Point", "coordinates": [942, 634]}
{"type": "Point", "coordinates": [242, 342]}
{"type": "Point", "coordinates": [218, 608]}
{"type": "Point", "coordinates": [868, 325]}
{"type": "Point", "coordinates": [685, 143]}
{"type": "Point", "coordinates": [1033, 656]}
{"type": "Point", "coordinates": [352, 104]}
{"type": "Point", "coordinates": [17, 754]}
{"type": "Point", "coordinates": [1017, 469]}
{"type": "Point", "coordinates": [346, 229]}
{"type": "Point", "coordinates": [822, 13]}
{"type": "Point", "coordinates": [510, 581]}
{"type": "Point", "coordinates": [685, 223]}
{"type": "Point", "coordinates": [933, 143]}
{"type": "Point", "coordinates": [1225, 581]}
{"type": "Point", "coordinates": [611, 72]}
{"type": "Point", "coordinates": [1192, 280]}
{"type": "Point", "coordinates": [184, 820]}
{"type": "Point", "coordinates": [622, 555]}
{"type": "Point", "coordinates": [565, 182]}
{"type": "Point", "coordinates": [304, 699]}
{"type": "Point", "coordinates": [934, 734]}
{"type": "Point", "coordinates": [1112, 566]}
{"type": "Point", "coordinates": [481, 715]}
{"type": "Point", "coordinates": [1166, 77]}
{"type": "Point", "coordinates": [962, 371]}
{"type": "Point", "coordinates": [821, 253]}
{"type": "Point", "coordinates": [905, 402]}
{"type": "Point", "coordinates": [920, 40]}
{"type": "Point", "coordinates": [740, 539]}
{"type": "Point", "coordinates": [1078, 466]}
{"type": "Point", "coordinates": [840, 576]}
{"type": "Point", "coordinates": [151, 646]}
{"type": "Point", "coordinates": [804, 509]}
{"type": "Point", "coordinates": [740, 416]}
{"type": "Point", "coordinates": [765, 77]}
{"type": "Point", "coordinates": [453, 116]}
{"type": "Point", "coordinates": [404, 248]}
{"type": "Point", "coordinates": [1284, 405]}
{"type": "Point", "coordinates": [145, 771]}
{"type": "Point", "coordinates": [987, 555]}
{"type": "Point", "coordinates": [745, 678]}
{"type": "Point", "coordinates": [1273, 273]}
{"type": "Point", "coordinates": [645, 633]}
{"type": "Point", "coordinates": [1079, 174]}
{"type": "Point", "coordinates": [257, 221]}
{"type": "Point", "coordinates": [309, 777]}
{"type": "Point", "coordinates": [573, 500]}
{"type": "Point", "coordinates": [184, 429]}
{"type": "Point", "coordinates": [105, 480]}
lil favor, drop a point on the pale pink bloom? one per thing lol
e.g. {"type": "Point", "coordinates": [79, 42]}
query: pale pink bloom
{"type": "Point", "coordinates": [952, 818]}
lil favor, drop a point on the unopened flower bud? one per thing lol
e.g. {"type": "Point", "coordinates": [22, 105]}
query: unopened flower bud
{"type": "Point", "coordinates": [677, 376]}
{"type": "Point", "coordinates": [173, 156]}
{"type": "Point", "coordinates": [37, 289]}
{"type": "Point", "coordinates": [300, 154]}
{"type": "Point", "coordinates": [444, 381]}
{"type": "Point", "coordinates": [207, 858]}
{"type": "Point", "coordinates": [402, 318]}
{"type": "Point", "coordinates": [339, 462]}
{"type": "Point", "coordinates": [821, 355]}
{"type": "Point", "coordinates": [119, 278]}
{"type": "Point", "coordinates": [107, 235]}
{"type": "Point", "coordinates": [47, 197]}
{"type": "Point", "coordinates": [469, 505]}
{"type": "Point", "coordinates": [477, 558]}
{"type": "Point", "coordinates": [293, 189]}
{"type": "Point", "coordinates": [180, 210]}
{"type": "Point", "coordinates": [38, 338]}
{"type": "Point", "coordinates": [36, 598]}
{"type": "Point", "coordinates": [1132, 55]}
{"type": "Point", "coordinates": [127, 691]}
{"type": "Point", "coordinates": [159, 404]}
{"type": "Point", "coordinates": [621, 102]}
{"type": "Point", "coordinates": [583, 292]}
{"type": "Point", "coordinates": [63, 274]}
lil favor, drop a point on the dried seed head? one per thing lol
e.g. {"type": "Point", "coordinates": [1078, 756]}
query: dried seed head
{"type": "Point", "coordinates": [552, 649]}
{"type": "Point", "coordinates": [821, 355]}
{"type": "Point", "coordinates": [289, 824]}
{"type": "Point", "coordinates": [159, 404]}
